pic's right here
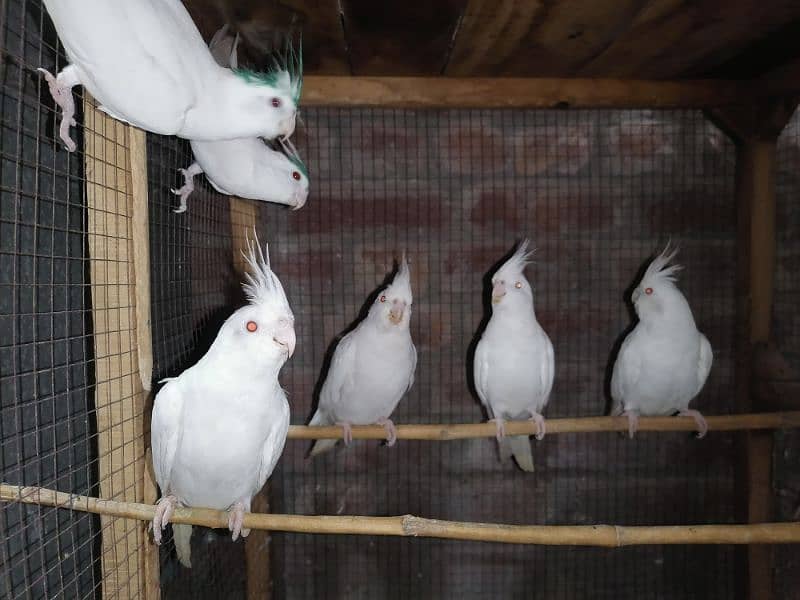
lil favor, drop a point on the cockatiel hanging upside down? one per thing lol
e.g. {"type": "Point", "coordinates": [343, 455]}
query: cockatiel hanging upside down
{"type": "Point", "coordinates": [664, 362]}
{"type": "Point", "coordinates": [145, 62]}
{"type": "Point", "coordinates": [372, 367]}
{"type": "Point", "coordinates": [219, 428]}
{"type": "Point", "coordinates": [514, 362]}
{"type": "Point", "coordinates": [246, 167]}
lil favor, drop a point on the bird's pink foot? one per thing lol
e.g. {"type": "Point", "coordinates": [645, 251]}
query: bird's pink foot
{"type": "Point", "coordinates": [62, 94]}
{"type": "Point", "coordinates": [188, 185]}
{"type": "Point", "coordinates": [500, 424]}
{"type": "Point", "coordinates": [391, 431]}
{"type": "Point", "coordinates": [164, 509]}
{"type": "Point", "coordinates": [540, 427]}
{"type": "Point", "coordinates": [702, 426]}
{"type": "Point", "coordinates": [347, 433]}
{"type": "Point", "coordinates": [236, 519]}
{"type": "Point", "coordinates": [633, 422]}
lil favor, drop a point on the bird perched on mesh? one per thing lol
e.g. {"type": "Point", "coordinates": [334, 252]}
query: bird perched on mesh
{"type": "Point", "coordinates": [664, 362]}
{"type": "Point", "coordinates": [246, 167]}
{"type": "Point", "coordinates": [514, 362]}
{"type": "Point", "coordinates": [219, 428]}
{"type": "Point", "coordinates": [146, 63]}
{"type": "Point", "coordinates": [372, 366]}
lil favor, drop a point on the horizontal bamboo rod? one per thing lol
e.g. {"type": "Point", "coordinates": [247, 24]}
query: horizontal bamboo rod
{"type": "Point", "coordinates": [776, 420]}
{"type": "Point", "coordinates": [411, 526]}
{"type": "Point", "coordinates": [477, 92]}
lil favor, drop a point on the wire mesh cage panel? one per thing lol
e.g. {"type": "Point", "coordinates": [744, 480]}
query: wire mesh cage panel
{"type": "Point", "coordinates": [598, 192]}
{"type": "Point", "coordinates": [786, 327]}
{"type": "Point", "coordinates": [73, 407]}
{"type": "Point", "coordinates": [47, 370]}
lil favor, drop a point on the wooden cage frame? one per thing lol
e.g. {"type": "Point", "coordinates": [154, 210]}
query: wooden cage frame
{"type": "Point", "coordinates": [752, 113]}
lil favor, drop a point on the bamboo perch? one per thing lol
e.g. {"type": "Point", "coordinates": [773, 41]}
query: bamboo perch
{"type": "Point", "coordinates": [776, 420]}
{"type": "Point", "coordinates": [410, 526]}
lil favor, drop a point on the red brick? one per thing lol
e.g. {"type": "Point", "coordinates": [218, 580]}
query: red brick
{"type": "Point", "coordinates": [550, 150]}
{"type": "Point", "coordinates": [333, 214]}
{"type": "Point", "coordinates": [469, 150]}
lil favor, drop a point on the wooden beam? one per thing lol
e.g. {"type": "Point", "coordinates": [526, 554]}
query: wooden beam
{"type": "Point", "coordinates": [608, 536]}
{"type": "Point", "coordinates": [119, 394]}
{"type": "Point", "coordinates": [244, 219]}
{"type": "Point", "coordinates": [755, 130]}
{"type": "Point", "coordinates": [452, 92]}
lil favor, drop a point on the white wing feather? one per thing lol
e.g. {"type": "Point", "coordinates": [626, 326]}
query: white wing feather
{"type": "Point", "coordinates": [340, 375]}
{"type": "Point", "coordinates": [625, 377]}
{"type": "Point", "coordinates": [704, 363]}
{"type": "Point", "coordinates": [166, 428]}
{"type": "Point", "coordinates": [547, 369]}
{"type": "Point", "coordinates": [273, 448]}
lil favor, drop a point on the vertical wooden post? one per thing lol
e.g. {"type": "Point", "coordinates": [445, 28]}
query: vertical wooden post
{"type": "Point", "coordinates": [755, 130]}
{"type": "Point", "coordinates": [112, 209]}
{"type": "Point", "coordinates": [244, 217]}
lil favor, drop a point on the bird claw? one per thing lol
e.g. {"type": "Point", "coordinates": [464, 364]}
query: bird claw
{"type": "Point", "coordinates": [236, 519]}
{"type": "Point", "coordinates": [540, 426]}
{"type": "Point", "coordinates": [702, 426]}
{"type": "Point", "coordinates": [164, 509]}
{"type": "Point", "coordinates": [391, 431]}
{"type": "Point", "coordinates": [185, 191]}
{"type": "Point", "coordinates": [500, 424]}
{"type": "Point", "coordinates": [347, 433]}
{"type": "Point", "coordinates": [633, 422]}
{"type": "Point", "coordinates": [62, 95]}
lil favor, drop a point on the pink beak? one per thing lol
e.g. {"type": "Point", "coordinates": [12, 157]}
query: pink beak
{"type": "Point", "coordinates": [285, 336]}
{"type": "Point", "coordinates": [498, 291]}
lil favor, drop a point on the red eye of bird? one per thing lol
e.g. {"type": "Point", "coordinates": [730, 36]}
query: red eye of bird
{"type": "Point", "coordinates": [295, 175]}
{"type": "Point", "coordinates": [648, 291]}
{"type": "Point", "coordinates": [383, 298]}
{"type": "Point", "coordinates": [252, 326]}
{"type": "Point", "coordinates": [276, 102]}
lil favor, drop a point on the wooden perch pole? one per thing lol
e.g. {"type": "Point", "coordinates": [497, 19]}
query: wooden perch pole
{"type": "Point", "coordinates": [778, 420]}
{"type": "Point", "coordinates": [610, 536]}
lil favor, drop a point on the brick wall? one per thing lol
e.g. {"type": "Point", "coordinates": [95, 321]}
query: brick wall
{"type": "Point", "coordinates": [597, 192]}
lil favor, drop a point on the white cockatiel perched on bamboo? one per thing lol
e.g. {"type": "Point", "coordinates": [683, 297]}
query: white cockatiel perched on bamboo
{"type": "Point", "coordinates": [664, 362]}
{"type": "Point", "coordinates": [372, 367]}
{"type": "Point", "coordinates": [219, 428]}
{"type": "Point", "coordinates": [514, 363]}
{"type": "Point", "coordinates": [245, 167]}
{"type": "Point", "coordinates": [145, 63]}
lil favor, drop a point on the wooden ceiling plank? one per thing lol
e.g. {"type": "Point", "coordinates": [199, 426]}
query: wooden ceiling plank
{"type": "Point", "coordinates": [678, 38]}
{"type": "Point", "coordinates": [475, 92]}
{"type": "Point", "coordinates": [263, 24]}
{"type": "Point", "coordinates": [490, 33]}
{"type": "Point", "coordinates": [400, 37]}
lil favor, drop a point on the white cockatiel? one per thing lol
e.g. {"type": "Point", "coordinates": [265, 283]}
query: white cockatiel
{"type": "Point", "coordinates": [514, 363]}
{"type": "Point", "coordinates": [219, 428]}
{"type": "Point", "coordinates": [145, 63]}
{"type": "Point", "coordinates": [245, 167]}
{"type": "Point", "coordinates": [664, 362]}
{"type": "Point", "coordinates": [372, 367]}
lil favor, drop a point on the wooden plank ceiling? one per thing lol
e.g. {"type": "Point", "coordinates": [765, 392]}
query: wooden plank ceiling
{"type": "Point", "coordinates": [643, 39]}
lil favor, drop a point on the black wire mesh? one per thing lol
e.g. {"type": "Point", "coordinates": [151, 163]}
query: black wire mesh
{"type": "Point", "coordinates": [786, 328]}
{"type": "Point", "coordinates": [598, 192]}
{"type": "Point", "coordinates": [46, 352]}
